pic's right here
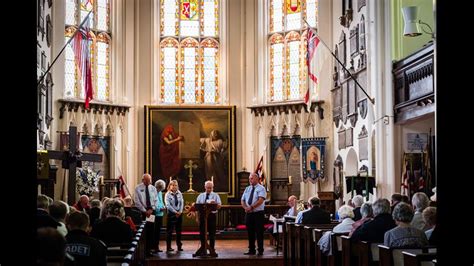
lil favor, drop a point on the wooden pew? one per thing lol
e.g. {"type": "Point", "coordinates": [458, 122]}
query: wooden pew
{"type": "Point", "coordinates": [425, 259]}
{"type": "Point", "coordinates": [299, 241]}
{"type": "Point", "coordinates": [361, 253]}
{"type": "Point", "coordinates": [309, 245]}
{"type": "Point", "coordinates": [289, 255]}
{"type": "Point", "coordinates": [394, 256]}
{"type": "Point", "coordinates": [317, 233]}
{"type": "Point", "coordinates": [336, 246]}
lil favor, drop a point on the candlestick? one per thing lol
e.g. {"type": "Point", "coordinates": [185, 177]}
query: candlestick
{"type": "Point", "coordinates": [289, 179]}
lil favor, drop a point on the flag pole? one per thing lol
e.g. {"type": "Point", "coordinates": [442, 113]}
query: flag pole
{"type": "Point", "coordinates": [125, 184]}
{"type": "Point", "coordinates": [64, 47]}
{"type": "Point", "coordinates": [332, 53]}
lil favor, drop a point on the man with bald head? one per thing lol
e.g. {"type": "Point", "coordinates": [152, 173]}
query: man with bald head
{"type": "Point", "coordinates": [145, 201]}
{"type": "Point", "coordinates": [83, 204]}
{"type": "Point", "coordinates": [293, 211]}
{"type": "Point", "coordinates": [208, 196]}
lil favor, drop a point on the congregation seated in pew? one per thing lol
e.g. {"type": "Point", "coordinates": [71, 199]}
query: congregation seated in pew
{"type": "Point", "coordinates": [113, 229]}
{"type": "Point", "coordinates": [404, 235]}
{"type": "Point", "coordinates": [346, 215]}
{"type": "Point", "coordinates": [86, 250]}
{"type": "Point", "coordinates": [429, 217]}
{"type": "Point", "coordinates": [419, 201]}
{"type": "Point", "coordinates": [314, 214]}
{"type": "Point", "coordinates": [367, 215]}
{"type": "Point", "coordinates": [374, 230]}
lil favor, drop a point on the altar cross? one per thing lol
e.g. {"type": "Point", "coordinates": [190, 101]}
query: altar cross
{"type": "Point", "coordinates": [190, 166]}
{"type": "Point", "coordinates": [71, 159]}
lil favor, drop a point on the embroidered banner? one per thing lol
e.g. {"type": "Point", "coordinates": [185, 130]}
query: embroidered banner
{"type": "Point", "coordinates": [313, 154]}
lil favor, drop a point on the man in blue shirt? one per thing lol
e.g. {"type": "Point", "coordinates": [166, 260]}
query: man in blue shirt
{"type": "Point", "coordinates": [209, 196]}
{"type": "Point", "coordinates": [253, 202]}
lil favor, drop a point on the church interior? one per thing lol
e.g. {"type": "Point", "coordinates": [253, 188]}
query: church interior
{"type": "Point", "coordinates": [326, 99]}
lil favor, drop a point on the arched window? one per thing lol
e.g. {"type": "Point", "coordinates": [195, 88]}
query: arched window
{"type": "Point", "coordinates": [99, 48]}
{"type": "Point", "coordinates": [287, 47]}
{"type": "Point", "coordinates": [189, 51]}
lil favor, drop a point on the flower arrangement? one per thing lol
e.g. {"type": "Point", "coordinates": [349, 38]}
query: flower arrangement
{"type": "Point", "coordinates": [87, 181]}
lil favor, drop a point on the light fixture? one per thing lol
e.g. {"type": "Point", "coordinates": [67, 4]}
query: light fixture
{"type": "Point", "coordinates": [412, 28]}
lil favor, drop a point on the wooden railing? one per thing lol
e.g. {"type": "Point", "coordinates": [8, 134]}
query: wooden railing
{"type": "Point", "coordinates": [232, 215]}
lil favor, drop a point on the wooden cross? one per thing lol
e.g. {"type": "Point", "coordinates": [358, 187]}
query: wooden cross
{"type": "Point", "coordinates": [190, 166]}
{"type": "Point", "coordinates": [71, 159]}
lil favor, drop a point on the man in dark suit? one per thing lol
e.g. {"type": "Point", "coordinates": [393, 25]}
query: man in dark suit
{"type": "Point", "coordinates": [373, 231]}
{"type": "Point", "coordinates": [316, 215]}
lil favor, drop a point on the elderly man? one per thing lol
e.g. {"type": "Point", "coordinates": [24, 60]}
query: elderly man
{"type": "Point", "coordinates": [209, 196]}
{"type": "Point", "coordinates": [83, 204]}
{"type": "Point", "coordinates": [253, 202]}
{"type": "Point", "coordinates": [315, 214]}
{"type": "Point", "coordinates": [145, 201]}
{"type": "Point", "coordinates": [293, 211]}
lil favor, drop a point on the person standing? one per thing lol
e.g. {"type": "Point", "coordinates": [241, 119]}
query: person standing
{"type": "Point", "coordinates": [145, 201]}
{"type": "Point", "coordinates": [215, 148]}
{"type": "Point", "coordinates": [169, 152]}
{"type": "Point", "coordinates": [253, 202]}
{"type": "Point", "coordinates": [174, 203]}
{"type": "Point", "coordinates": [160, 185]}
{"type": "Point", "coordinates": [209, 196]}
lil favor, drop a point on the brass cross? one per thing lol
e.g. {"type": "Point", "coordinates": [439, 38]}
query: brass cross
{"type": "Point", "coordinates": [190, 166]}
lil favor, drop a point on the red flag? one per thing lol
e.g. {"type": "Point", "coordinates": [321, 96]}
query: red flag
{"type": "Point", "coordinates": [259, 172]}
{"type": "Point", "coordinates": [81, 50]}
{"type": "Point", "coordinates": [312, 45]}
{"type": "Point", "coordinates": [123, 189]}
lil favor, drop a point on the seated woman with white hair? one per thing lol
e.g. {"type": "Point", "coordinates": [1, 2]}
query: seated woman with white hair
{"type": "Point", "coordinates": [345, 214]}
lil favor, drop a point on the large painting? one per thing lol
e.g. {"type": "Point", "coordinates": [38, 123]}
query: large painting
{"type": "Point", "coordinates": [191, 142]}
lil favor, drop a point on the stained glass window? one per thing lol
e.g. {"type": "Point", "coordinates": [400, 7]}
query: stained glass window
{"type": "Point", "coordinates": [287, 47]}
{"type": "Point", "coordinates": [99, 38]}
{"type": "Point", "coordinates": [189, 51]}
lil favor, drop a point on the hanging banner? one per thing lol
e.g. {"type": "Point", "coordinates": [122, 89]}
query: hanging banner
{"type": "Point", "coordinates": [313, 158]}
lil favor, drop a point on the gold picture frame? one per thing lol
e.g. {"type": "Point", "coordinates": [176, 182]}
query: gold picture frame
{"type": "Point", "coordinates": [204, 135]}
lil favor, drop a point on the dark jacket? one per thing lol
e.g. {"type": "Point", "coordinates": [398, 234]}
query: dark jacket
{"type": "Point", "coordinates": [316, 216]}
{"type": "Point", "coordinates": [112, 230]}
{"type": "Point", "coordinates": [357, 215]}
{"type": "Point", "coordinates": [86, 250]}
{"type": "Point", "coordinates": [135, 214]}
{"type": "Point", "coordinates": [43, 219]}
{"type": "Point", "coordinates": [374, 231]}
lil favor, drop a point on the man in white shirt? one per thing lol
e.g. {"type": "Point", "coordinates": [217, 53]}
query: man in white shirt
{"type": "Point", "coordinates": [209, 196]}
{"type": "Point", "coordinates": [292, 203]}
{"type": "Point", "coordinates": [145, 201]}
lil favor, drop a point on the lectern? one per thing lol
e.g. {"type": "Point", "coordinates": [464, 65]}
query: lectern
{"type": "Point", "coordinates": [204, 209]}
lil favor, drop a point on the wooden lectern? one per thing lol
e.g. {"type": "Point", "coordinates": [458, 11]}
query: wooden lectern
{"type": "Point", "coordinates": [205, 209]}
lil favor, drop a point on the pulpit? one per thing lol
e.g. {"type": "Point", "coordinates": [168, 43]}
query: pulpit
{"type": "Point", "coordinates": [363, 185]}
{"type": "Point", "coordinates": [204, 209]}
